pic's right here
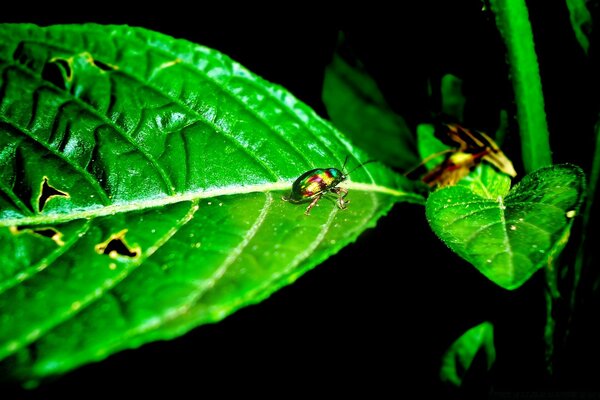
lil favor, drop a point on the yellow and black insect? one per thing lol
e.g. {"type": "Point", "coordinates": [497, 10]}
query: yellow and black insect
{"type": "Point", "coordinates": [473, 148]}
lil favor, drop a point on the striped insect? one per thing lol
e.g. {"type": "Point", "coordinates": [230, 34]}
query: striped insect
{"type": "Point", "coordinates": [473, 148]}
{"type": "Point", "coordinates": [316, 183]}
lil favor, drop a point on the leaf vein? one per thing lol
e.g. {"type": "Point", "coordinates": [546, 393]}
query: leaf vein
{"type": "Point", "coordinates": [104, 119]}
{"type": "Point", "coordinates": [32, 270]}
{"type": "Point", "coordinates": [84, 173]}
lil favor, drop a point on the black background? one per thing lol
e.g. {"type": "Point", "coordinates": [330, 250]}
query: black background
{"type": "Point", "coordinates": [376, 318]}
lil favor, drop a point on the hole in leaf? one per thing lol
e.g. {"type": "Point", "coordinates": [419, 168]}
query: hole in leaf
{"type": "Point", "coordinates": [117, 246]}
{"type": "Point", "coordinates": [59, 72]}
{"type": "Point", "coordinates": [22, 56]}
{"type": "Point", "coordinates": [47, 192]}
{"type": "Point", "coordinates": [88, 58]}
{"type": "Point", "coordinates": [103, 66]}
{"type": "Point", "coordinates": [46, 232]}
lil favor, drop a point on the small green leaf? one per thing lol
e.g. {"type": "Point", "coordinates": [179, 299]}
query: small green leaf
{"type": "Point", "coordinates": [357, 107]}
{"type": "Point", "coordinates": [429, 146]}
{"type": "Point", "coordinates": [453, 100]}
{"type": "Point", "coordinates": [459, 358]}
{"type": "Point", "coordinates": [140, 191]}
{"type": "Point", "coordinates": [507, 235]}
{"type": "Point", "coordinates": [581, 21]}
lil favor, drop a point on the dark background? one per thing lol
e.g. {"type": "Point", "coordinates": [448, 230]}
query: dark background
{"type": "Point", "coordinates": [376, 318]}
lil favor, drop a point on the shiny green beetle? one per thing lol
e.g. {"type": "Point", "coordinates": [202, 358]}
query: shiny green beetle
{"type": "Point", "coordinates": [314, 184]}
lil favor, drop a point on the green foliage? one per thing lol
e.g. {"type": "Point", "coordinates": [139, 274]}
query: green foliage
{"type": "Point", "coordinates": [140, 191]}
{"type": "Point", "coordinates": [357, 106]}
{"type": "Point", "coordinates": [460, 357]}
{"type": "Point", "coordinates": [581, 21]}
{"type": "Point", "coordinates": [584, 252]}
{"type": "Point", "coordinates": [453, 101]}
{"type": "Point", "coordinates": [512, 19]}
{"type": "Point", "coordinates": [507, 234]}
{"type": "Point", "coordinates": [429, 146]}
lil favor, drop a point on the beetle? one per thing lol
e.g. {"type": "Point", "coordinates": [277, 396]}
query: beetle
{"type": "Point", "coordinates": [314, 184]}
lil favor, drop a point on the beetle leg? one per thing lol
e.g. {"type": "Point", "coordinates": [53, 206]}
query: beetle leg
{"type": "Point", "coordinates": [342, 193]}
{"type": "Point", "coordinates": [312, 204]}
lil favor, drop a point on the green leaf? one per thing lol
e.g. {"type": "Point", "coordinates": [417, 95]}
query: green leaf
{"type": "Point", "coordinates": [581, 21]}
{"type": "Point", "coordinates": [357, 107]}
{"type": "Point", "coordinates": [429, 146]}
{"type": "Point", "coordinates": [460, 357]}
{"type": "Point", "coordinates": [140, 191]}
{"type": "Point", "coordinates": [507, 235]}
{"type": "Point", "coordinates": [453, 100]}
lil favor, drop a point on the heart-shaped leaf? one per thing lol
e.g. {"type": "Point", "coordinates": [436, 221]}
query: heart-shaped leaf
{"type": "Point", "coordinates": [507, 235]}
{"type": "Point", "coordinates": [140, 191]}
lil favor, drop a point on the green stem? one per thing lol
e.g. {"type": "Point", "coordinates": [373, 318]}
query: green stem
{"type": "Point", "coordinates": [591, 191]}
{"type": "Point", "coordinates": [512, 20]}
{"type": "Point", "coordinates": [549, 333]}
{"type": "Point", "coordinates": [552, 296]}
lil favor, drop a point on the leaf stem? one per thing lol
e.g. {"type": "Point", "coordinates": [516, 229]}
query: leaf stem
{"type": "Point", "coordinates": [512, 19]}
{"type": "Point", "coordinates": [592, 185]}
{"type": "Point", "coordinates": [549, 329]}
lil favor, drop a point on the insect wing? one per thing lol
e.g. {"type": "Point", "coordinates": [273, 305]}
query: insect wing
{"type": "Point", "coordinates": [452, 169]}
{"type": "Point", "coordinates": [473, 147]}
{"type": "Point", "coordinates": [496, 157]}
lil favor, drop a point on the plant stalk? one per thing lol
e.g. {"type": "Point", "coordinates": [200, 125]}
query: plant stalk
{"type": "Point", "coordinates": [512, 19]}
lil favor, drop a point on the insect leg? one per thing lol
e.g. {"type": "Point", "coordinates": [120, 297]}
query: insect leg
{"type": "Point", "coordinates": [342, 193]}
{"type": "Point", "coordinates": [312, 204]}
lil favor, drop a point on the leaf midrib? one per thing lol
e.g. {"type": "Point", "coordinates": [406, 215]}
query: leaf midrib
{"type": "Point", "coordinates": [212, 281]}
{"type": "Point", "coordinates": [137, 205]}
{"type": "Point", "coordinates": [109, 208]}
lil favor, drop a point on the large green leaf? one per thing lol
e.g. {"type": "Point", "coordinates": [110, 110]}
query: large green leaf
{"type": "Point", "coordinates": [140, 191]}
{"type": "Point", "coordinates": [357, 106]}
{"type": "Point", "coordinates": [507, 235]}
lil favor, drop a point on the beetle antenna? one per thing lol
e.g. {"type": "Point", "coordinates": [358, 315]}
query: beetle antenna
{"type": "Point", "coordinates": [345, 161]}
{"type": "Point", "coordinates": [427, 159]}
{"type": "Point", "coordinates": [361, 165]}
